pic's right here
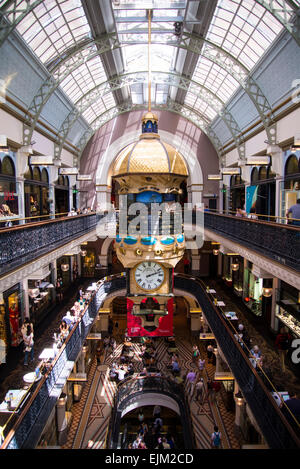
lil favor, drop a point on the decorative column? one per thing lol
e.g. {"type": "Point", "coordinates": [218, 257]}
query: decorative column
{"type": "Point", "coordinates": [61, 420]}
{"type": "Point", "coordinates": [24, 284]}
{"type": "Point", "coordinates": [195, 194]}
{"type": "Point", "coordinates": [275, 153]}
{"type": "Point", "coordinates": [195, 262]}
{"type": "Point", "coordinates": [81, 360]}
{"type": "Point", "coordinates": [240, 408]}
{"type": "Point", "coordinates": [195, 315]}
{"type": "Point", "coordinates": [274, 320]}
{"type": "Point", "coordinates": [103, 320]}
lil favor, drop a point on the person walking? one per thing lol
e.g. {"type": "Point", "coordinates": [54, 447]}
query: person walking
{"type": "Point", "coordinates": [201, 365]}
{"type": "Point", "coordinates": [199, 390]}
{"type": "Point", "coordinates": [191, 380]}
{"type": "Point", "coordinates": [294, 211]}
{"type": "Point", "coordinates": [196, 353]}
{"type": "Point", "coordinates": [282, 342]}
{"type": "Point", "coordinates": [28, 343]}
{"type": "Point", "coordinates": [215, 438]}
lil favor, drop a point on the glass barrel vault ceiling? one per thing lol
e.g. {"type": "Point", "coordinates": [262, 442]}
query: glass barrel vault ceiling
{"type": "Point", "coordinates": [243, 28]}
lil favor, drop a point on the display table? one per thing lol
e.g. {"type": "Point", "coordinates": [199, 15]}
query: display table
{"type": "Point", "coordinates": [31, 377]}
{"type": "Point", "coordinates": [15, 397]}
{"type": "Point", "coordinates": [231, 315]}
{"type": "Point", "coordinates": [47, 354]}
{"type": "Point", "coordinates": [172, 350]}
{"type": "Point", "coordinates": [278, 396]}
{"type": "Point", "coordinates": [207, 336]}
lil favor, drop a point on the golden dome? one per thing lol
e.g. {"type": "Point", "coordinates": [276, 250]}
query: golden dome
{"type": "Point", "coordinates": [149, 155]}
{"type": "Point", "coordinates": [149, 116]}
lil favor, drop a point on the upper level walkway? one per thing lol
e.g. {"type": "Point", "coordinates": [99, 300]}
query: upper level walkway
{"type": "Point", "coordinates": [276, 242]}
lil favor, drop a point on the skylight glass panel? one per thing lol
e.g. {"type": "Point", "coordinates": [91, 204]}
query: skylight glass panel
{"type": "Point", "coordinates": [54, 26]}
{"type": "Point", "coordinates": [244, 28]}
{"type": "Point", "coordinates": [99, 107]}
{"type": "Point", "coordinates": [84, 78]}
{"type": "Point", "coordinates": [200, 106]}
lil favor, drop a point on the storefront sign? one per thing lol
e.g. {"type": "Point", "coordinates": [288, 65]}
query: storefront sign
{"type": "Point", "coordinates": [164, 325]}
{"type": "Point", "coordinates": [84, 177]}
{"type": "Point", "coordinates": [66, 171]}
{"type": "Point", "coordinates": [46, 160]}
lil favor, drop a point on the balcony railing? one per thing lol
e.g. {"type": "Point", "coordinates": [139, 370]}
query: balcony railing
{"type": "Point", "coordinates": [277, 431]}
{"type": "Point", "coordinates": [131, 388]}
{"type": "Point", "coordinates": [25, 243]}
{"type": "Point", "coordinates": [273, 240]}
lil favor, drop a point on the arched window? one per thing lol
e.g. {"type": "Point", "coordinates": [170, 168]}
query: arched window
{"type": "Point", "coordinates": [254, 176]}
{"type": "Point", "coordinates": [291, 166]}
{"type": "Point", "coordinates": [238, 180]}
{"type": "Point", "coordinates": [45, 177]}
{"type": "Point", "coordinates": [28, 173]}
{"type": "Point", "coordinates": [60, 180]}
{"type": "Point", "coordinates": [263, 173]}
{"type": "Point", "coordinates": [36, 174]}
{"type": "Point", "coordinates": [8, 167]}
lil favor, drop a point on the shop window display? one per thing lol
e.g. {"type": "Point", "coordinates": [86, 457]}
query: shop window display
{"type": "Point", "coordinates": [3, 333]}
{"type": "Point", "coordinates": [253, 292]}
{"type": "Point", "coordinates": [8, 187]}
{"type": "Point", "coordinates": [89, 262]}
{"type": "Point", "coordinates": [62, 195]}
{"type": "Point", "coordinates": [288, 307]}
{"type": "Point", "coordinates": [290, 186]}
{"type": "Point", "coordinates": [36, 192]}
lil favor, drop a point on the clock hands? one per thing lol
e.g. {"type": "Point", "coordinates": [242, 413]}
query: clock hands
{"type": "Point", "coordinates": [151, 275]}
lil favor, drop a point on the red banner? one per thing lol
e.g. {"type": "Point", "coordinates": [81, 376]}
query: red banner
{"type": "Point", "coordinates": [162, 326]}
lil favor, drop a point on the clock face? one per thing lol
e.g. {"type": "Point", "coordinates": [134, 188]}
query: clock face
{"type": "Point", "coordinates": [149, 275]}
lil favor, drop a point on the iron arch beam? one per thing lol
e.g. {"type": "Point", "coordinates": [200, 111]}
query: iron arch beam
{"type": "Point", "coordinates": [171, 79]}
{"type": "Point", "coordinates": [191, 43]}
{"type": "Point", "coordinates": [171, 106]}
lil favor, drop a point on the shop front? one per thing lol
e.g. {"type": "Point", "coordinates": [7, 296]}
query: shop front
{"type": "Point", "coordinates": [237, 193]}
{"type": "Point", "coordinates": [288, 308]}
{"type": "Point", "coordinates": [36, 187]}
{"type": "Point", "coordinates": [260, 195]}
{"type": "Point", "coordinates": [252, 294]}
{"type": "Point", "coordinates": [62, 198]}
{"type": "Point", "coordinates": [11, 317]}
{"type": "Point", "coordinates": [88, 262]}
{"type": "Point", "coordinates": [41, 294]}
{"type": "Point", "coordinates": [233, 271]}
{"type": "Point", "coordinates": [64, 271]}
{"type": "Point", "coordinates": [8, 187]}
{"type": "Point", "coordinates": [290, 186]}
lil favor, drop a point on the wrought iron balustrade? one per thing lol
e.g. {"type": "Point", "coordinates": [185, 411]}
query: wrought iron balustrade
{"type": "Point", "coordinates": [277, 431]}
{"type": "Point", "coordinates": [273, 240]}
{"type": "Point", "coordinates": [25, 243]}
{"type": "Point", "coordinates": [129, 391]}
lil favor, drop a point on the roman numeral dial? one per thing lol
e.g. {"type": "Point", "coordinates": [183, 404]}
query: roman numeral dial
{"type": "Point", "coordinates": [149, 275]}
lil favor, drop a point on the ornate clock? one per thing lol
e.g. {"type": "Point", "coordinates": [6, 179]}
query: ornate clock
{"type": "Point", "coordinates": [149, 275]}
